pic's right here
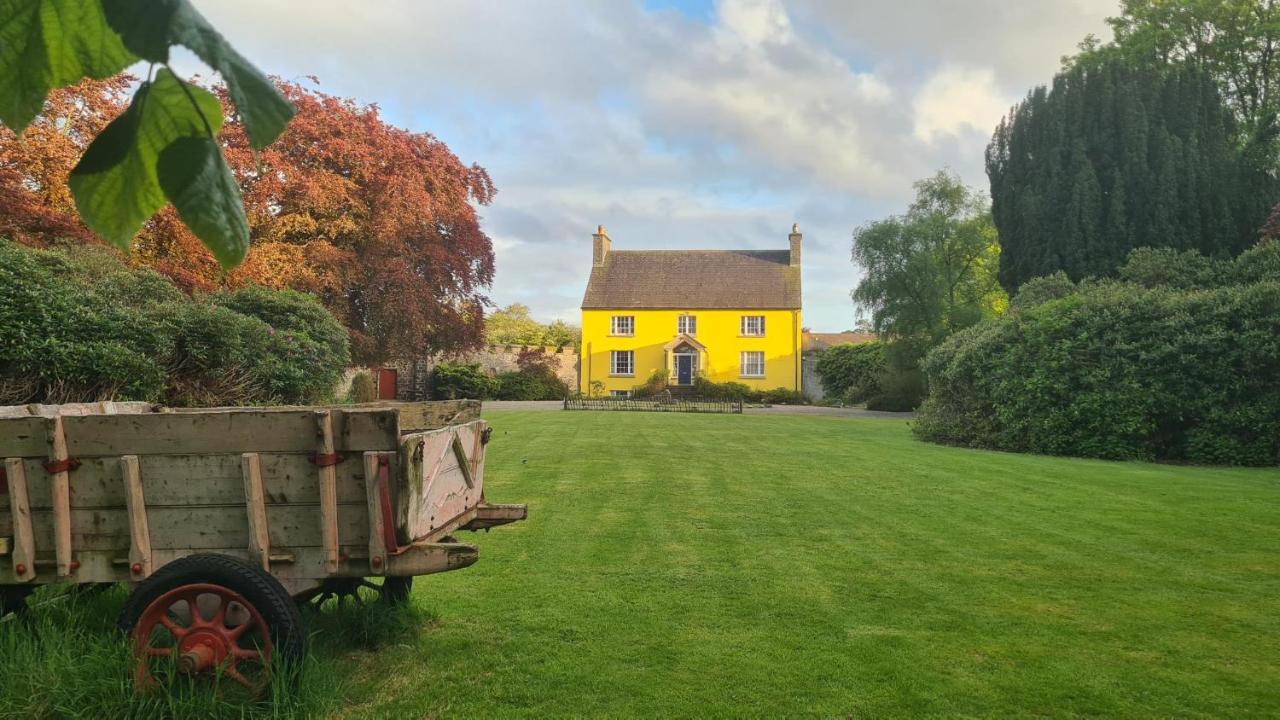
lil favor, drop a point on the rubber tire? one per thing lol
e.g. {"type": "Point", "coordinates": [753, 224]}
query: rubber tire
{"type": "Point", "coordinates": [396, 590]}
{"type": "Point", "coordinates": [260, 588]}
{"type": "Point", "coordinates": [13, 598]}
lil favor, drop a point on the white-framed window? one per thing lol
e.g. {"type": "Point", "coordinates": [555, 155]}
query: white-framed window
{"type": "Point", "coordinates": [622, 325]}
{"type": "Point", "coordinates": [752, 364]}
{"type": "Point", "coordinates": [687, 325]}
{"type": "Point", "coordinates": [620, 393]}
{"type": "Point", "coordinates": [622, 362]}
{"type": "Point", "coordinates": [753, 325]}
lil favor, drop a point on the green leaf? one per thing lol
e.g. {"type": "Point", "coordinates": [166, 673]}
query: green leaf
{"type": "Point", "coordinates": [263, 109]}
{"type": "Point", "coordinates": [46, 44]}
{"type": "Point", "coordinates": [196, 179]}
{"type": "Point", "coordinates": [115, 185]}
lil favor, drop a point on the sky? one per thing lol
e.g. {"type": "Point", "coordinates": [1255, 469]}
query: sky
{"type": "Point", "coordinates": [698, 124]}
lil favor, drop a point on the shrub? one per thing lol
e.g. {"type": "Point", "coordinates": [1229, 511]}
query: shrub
{"type": "Point", "coordinates": [732, 391]}
{"type": "Point", "coordinates": [453, 381]}
{"type": "Point", "coordinates": [363, 389]}
{"type": "Point", "coordinates": [852, 372]}
{"type": "Point", "coordinates": [79, 324]}
{"type": "Point", "coordinates": [655, 384]}
{"type": "Point", "coordinates": [1123, 371]}
{"type": "Point", "coordinates": [783, 396]}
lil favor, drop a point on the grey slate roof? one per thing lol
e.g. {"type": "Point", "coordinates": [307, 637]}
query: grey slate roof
{"type": "Point", "coordinates": [694, 280]}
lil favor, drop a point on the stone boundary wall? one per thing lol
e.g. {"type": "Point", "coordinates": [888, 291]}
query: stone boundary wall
{"type": "Point", "coordinates": [413, 377]}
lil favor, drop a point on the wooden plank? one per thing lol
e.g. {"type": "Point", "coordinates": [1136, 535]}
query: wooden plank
{"type": "Point", "coordinates": [434, 490]}
{"type": "Point", "coordinates": [374, 489]}
{"type": "Point", "coordinates": [222, 526]}
{"type": "Point", "coordinates": [22, 437]}
{"type": "Point", "coordinates": [225, 431]}
{"type": "Point", "coordinates": [196, 480]}
{"type": "Point", "coordinates": [24, 547]}
{"type": "Point", "coordinates": [136, 506]}
{"type": "Point", "coordinates": [256, 508]}
{"type": "Point", "coordinates": [6, 545]}
{"type": "Point", "coordinates": [464, 463]}
{"type": "Point", "coordinates": [60, 491]}
{"type": "Point", "coordinates": [328, 489]}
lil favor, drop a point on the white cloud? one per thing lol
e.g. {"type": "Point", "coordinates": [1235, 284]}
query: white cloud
{"type": "Point", "coordinates": [958, 100]}
{"type": "Point", "coordinates": [672, 131]}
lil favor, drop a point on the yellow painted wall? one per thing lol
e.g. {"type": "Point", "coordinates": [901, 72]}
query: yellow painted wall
{"type": "Point", "coordinates": [718, 330]}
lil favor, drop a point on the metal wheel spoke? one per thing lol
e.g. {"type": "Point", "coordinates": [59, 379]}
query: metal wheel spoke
{"type": "Point", "coordinates": [238, 631]}
{"type": "Point", "coordinates": [242, 653]}
{"type": "Point", "coordinates": [173, 627]}
{"type": "Point", "coordinates": [159, 652]}
{"type": "Point", "coordinates": [231, 672]}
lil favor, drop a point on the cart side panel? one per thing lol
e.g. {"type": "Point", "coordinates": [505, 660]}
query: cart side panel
{"type": "Point", "coordinates": [442, 480]}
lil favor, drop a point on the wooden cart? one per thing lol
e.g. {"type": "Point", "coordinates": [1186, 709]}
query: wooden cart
{"type": "Point", "coordinates": [224, 519]}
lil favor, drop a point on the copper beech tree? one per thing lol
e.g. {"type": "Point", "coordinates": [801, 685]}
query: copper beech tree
{"type": "Point", "coordinates": [377, 221]}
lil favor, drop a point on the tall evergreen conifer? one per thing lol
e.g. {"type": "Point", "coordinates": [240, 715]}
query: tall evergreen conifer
{"type": "Point", "coordinates": [1113, 158]}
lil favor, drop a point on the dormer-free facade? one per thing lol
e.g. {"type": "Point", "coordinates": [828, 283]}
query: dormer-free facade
{"type": "Point", "coordinates": [726, 315]}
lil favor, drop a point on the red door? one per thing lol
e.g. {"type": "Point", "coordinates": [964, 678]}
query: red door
{"type": "Point", "coordinates": [386, 384]}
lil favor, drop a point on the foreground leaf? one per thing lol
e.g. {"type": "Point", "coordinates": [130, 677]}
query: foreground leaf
{"type": "Point", "coordinates": [196, 179]}
{"type": "Point", "coordinates": [115, 185]}
{"type": "Point", "coordinates": [150, 26]}
{"type": "Point", "coordinates": [46, 44]}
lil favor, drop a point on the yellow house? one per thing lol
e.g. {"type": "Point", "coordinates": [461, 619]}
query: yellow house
{"type": "Point", "coordinates": [726, 315]}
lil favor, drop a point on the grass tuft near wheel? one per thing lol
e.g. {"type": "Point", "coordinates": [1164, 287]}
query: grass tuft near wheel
{"type": "Point", "coordinates": [214, 617]}
{"type": "Point", "coordinates": [393, 590]}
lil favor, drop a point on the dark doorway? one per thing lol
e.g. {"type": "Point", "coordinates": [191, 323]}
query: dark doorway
{"type": "Point", "coordinates": [684, 369]}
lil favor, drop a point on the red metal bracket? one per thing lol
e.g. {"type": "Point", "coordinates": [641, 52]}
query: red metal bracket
{"type": "Point", "coordinates": [325, 459]}
{"type": "Point", "coordinates": [388, 517]}
{"type": "Point", "coordinates": [57, 466]}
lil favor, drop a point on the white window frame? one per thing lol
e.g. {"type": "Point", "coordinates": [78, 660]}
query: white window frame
{"type": "Point", "coordinates": [630, 364]}
{"type": "Point", "coordinates": [622, 325]}
{"type": "Point", "coordinates": [687, 325]}
{"type": "Point", "coordinates": [619, 393]}
{"type": "Point", "coordinates": [752, 326]}
{"type": "Point", "coordinates": [747, 361]}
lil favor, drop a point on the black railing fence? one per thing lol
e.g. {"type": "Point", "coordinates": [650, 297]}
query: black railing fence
{"type": "Point", "coordinates": [657, 403]}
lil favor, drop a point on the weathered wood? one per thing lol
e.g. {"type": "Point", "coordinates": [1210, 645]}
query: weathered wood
{"type": "Point", "coordinates": [6, 545]}
{"type": "Point", "coordinates": [139, 530]}
{"type": "Point", "coordinates": [434, 489]}
{"type": "Point", "coordinates": [194, 480]}
{"type": "Point", "coordinates": [215, 526]}
{"type": "Point", "coordinates": [464, 463]}
{"type": "Point", "coordinates": [24, 547]}
{"type": "Point", "coordinates": [22, 437]}
{"type": "Point", "coordinates": [374, 489]}
{"type": "Point", "coordinates": [256, 507]}
{"type": "Point", "coordinates": [60, 490]}
{"type": "Point", "coordinates": [228, 431]}
{"type": "Point", "coordinates": [424, 558]}
{"type": "Point", "coordinates": [485, 516]}
{"type": "Point", "coordinates": [328, 488]}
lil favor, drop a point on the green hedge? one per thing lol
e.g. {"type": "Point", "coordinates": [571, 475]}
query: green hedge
{"type": "Point", "coordinates": [852, 373]}
{"type": "Point", "coordinates": [79, 324]}
{"type": "Point", "coordinates": [1178, 361]}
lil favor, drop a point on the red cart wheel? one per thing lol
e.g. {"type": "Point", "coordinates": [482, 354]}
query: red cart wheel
{"type": "Point", "coordinates": [203, 629]}
{"type": "Point", "coordinates": [212, 617]}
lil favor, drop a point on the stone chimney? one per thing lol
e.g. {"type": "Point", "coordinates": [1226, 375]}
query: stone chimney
{"type": "Point", "coordinates": [600, 246]}
{"type": "Point", "coordinates": [795, 237]}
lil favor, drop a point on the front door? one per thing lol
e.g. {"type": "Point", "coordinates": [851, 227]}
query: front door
{"type": "Point", "coordinates": [684, 369]}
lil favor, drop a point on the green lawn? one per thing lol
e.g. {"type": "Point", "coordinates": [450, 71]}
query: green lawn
{"type": "Point", "coordinates": [751, 566]}
{"type": "Point", "coordinates": [685, 565]}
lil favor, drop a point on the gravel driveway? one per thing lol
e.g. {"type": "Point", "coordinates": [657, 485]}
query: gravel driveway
{"type": "Point", "coordinates": [549, 405]}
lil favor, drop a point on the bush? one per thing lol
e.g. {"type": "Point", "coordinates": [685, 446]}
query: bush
{"type": "Point", "coordinates": [79, 324]}
{"type": "Point", "coordinates": [731, 391]}
{"type": "Point", "coordinates": [852, 373]}
{"type": "Point", "coordinates": [1123, 371]}
{"type": "Point", "coordinates": [453, 381]}
{"type": "Point", "coordinates": [783, 396]}
{"type": "Point", "coordinates": [363, 389]}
